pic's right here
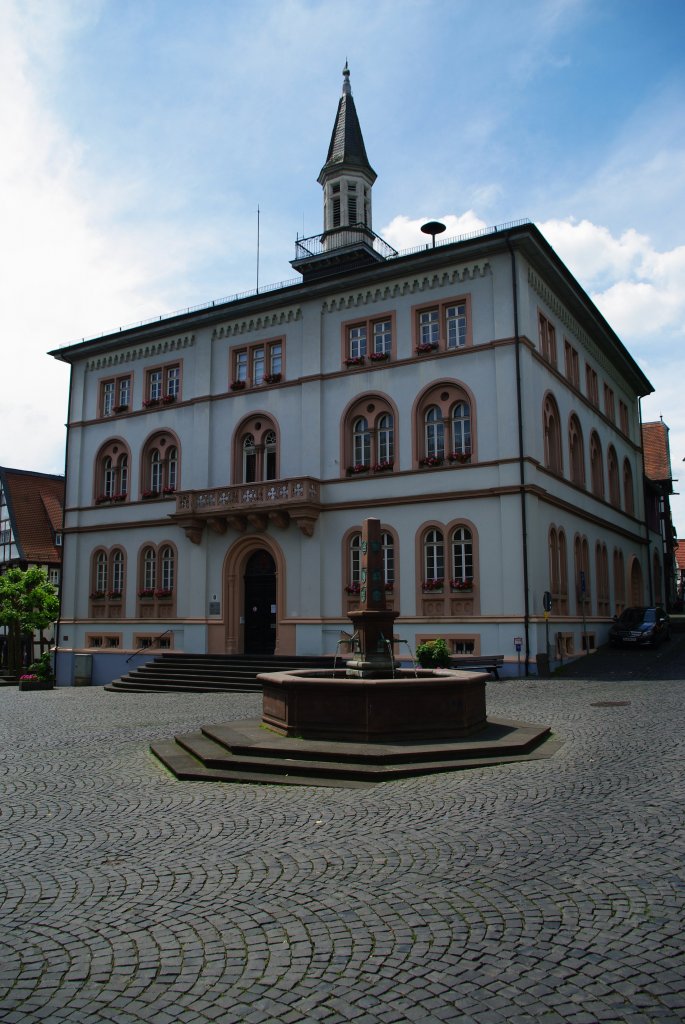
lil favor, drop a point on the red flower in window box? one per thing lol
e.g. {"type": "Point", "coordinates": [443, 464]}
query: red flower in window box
{"type": "Point", "coordinates": [163, 593]}
{"type": "Point", "coordinates": [238, 385]}
{"type": "Point", "coordinates": [272, 378]}
{"type": "Point", "coordinates": [426, 346]}
{"type": "Point", "coordinates": [384, 466]}
{"type": "Point", "coordinates": [168, 399]}
{"type": "Point", "coordinates": [379, 357]}
{"type": "Point", "coordinates": [147, 495]}
{"type": "Point", "coordinates": [436, 584]}
{"type": "Point", "coordinates": [168, 490]}
{"type": "Point", "coordinates": [118, 497]}
{"type": "Point", "coordinates": [114, 595]}
{"type": "Point", "coordinates": [120, 408]}
{"type": "Point", "coordinates": [462, 457]}
{"type": "Point", "coordinates": [432, 460]}
{"type": "Point", "coordinates": [102, 499]}
{"type": "Point", "coordinates": [458, 584]}
{"type": "Point", "coordinates": [353, 588]}
{"type": "Point", "coordinates": [97, 595]}
{"type": "Point", "coordinates": [149, 402]}
{"type": "Point", "coordinates": [147, 592]}
{"type": "Point", "coordinates": [355, 361]}
{"type": "Point", "coordinates": [359, 467]}
{"type": "Point", "coordinates": [389, 587]}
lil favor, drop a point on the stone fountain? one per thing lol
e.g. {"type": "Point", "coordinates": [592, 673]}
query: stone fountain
{"type": "Point", "coordinates": [372, 698]}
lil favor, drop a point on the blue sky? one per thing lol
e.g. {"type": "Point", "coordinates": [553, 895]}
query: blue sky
{"type": "Point", "coordinates": [139, 137]}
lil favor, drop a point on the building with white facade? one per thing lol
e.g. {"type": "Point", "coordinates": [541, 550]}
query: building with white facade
{"type": "Point", "coordinates": [468, 394]}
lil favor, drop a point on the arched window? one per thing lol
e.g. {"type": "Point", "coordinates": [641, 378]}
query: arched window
{"type": "Point", "coordinates": [255, 450]}
{"type": "Point", "coordinates": [558, 571]}
{"type": "Point", "coordinates": [111, 473]}
{"type": "Point", "coordinates": [581, 560]}
{"type": "Point", "coordinates": [628, 494]}
{"type": "Point", "coordinates": [619, 582]}
{"type": "Point", "coordinates": [444, 420]}
{"type": "Point", "coordinates": [552, 436]}
{"type": "Point", "coordinates": [157, 580]}
{"type": "Point", "coordinates": [612, 473]}
{"type": "Point", "coordinates": [107, 583]}
{"type": "Point", "coordinates": [602, 570]}
{"type": "Point", "coordinates": [433, 559]}
{"type": "Point", "coordinates": [462, 557]}
{"type": "Point", "coordinates": [354, 561]}
{"type": "Point", "coordinates": [369, 436]}
{"type": "Point", "coordinates": [160, 468]}
{"type": "Point", "coordinates": [596, 468]}
{"type": "Point", "coordinates": [576, 452]}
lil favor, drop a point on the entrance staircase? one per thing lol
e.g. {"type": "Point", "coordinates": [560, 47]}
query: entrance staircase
{"type": "Point", "coordinates": [208, 673]}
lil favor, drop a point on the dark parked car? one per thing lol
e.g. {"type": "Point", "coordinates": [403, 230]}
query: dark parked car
{"type": "Point", "coordinates": [636, 626]}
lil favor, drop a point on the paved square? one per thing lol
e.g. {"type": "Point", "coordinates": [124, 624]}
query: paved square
{"type": "Point", "coordinates": [546, 891]}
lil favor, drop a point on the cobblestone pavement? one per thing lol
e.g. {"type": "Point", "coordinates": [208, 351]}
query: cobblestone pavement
{"type": "Point", "coordinates": [546, 891]}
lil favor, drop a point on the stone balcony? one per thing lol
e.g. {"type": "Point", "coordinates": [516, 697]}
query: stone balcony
{"type": "Point", "coordinates": [279, 502]}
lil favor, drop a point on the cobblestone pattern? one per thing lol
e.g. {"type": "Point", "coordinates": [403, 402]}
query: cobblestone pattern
{"type": "Point", "coordinates": [548, 891]}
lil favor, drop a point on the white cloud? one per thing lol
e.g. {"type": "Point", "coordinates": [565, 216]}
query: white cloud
{"type": "Point", "coordinates": [404, 233]}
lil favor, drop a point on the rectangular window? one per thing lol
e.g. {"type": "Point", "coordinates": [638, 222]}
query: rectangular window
{"type": "Point", "coordinates": [609, 405]}
{"type": "Point", "coordinates": [370, 340]}
{"type": "Point", "coordinates": [115, 395]}
{"type": "Point", "coordinates": [124, 392]}
{"type": "Point", "coordinates": [357, 338]}
{"type": "Point", "coordinates": [155, 385]}
{"type": "Point", "coordinates": [382, 337]}
{"type": "Point", "coordinates": [571, 365]}
{"type": "Point", "coordinates": [173, 381]}
{"type": "Point", "coordinates": [548, 340]}
{"type": "Point", "coordinates": [444, 325]}
{"type": "Point", "coordinates": [257, 365]}
{"type": "Point", "coordinates": [592, 385]}
{"type": "Point", "coordinates": [162, 385]}
{"type": "Point", "coordinates": [108, 392]}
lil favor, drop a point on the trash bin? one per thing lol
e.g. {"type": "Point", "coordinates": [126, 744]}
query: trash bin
{"type": "Point", "coordinates": [542, 662]}
{"type": "Point", "coordinates": [83, 669]}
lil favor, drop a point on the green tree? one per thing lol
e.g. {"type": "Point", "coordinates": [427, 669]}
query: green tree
{"type": "Point", "coordinates": [28, 601]}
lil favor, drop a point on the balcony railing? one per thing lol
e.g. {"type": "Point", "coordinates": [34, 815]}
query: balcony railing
{"type": "Point", "coordinates": [255, 504]}
{"type": "Point", "coordinates": [341, 238]}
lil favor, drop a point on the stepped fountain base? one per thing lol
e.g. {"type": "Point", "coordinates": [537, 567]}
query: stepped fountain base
{"type": "Point", "coordinates": [330, 704]}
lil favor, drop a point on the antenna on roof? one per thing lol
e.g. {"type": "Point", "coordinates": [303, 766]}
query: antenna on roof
{"type": "Point", "coordinates": [257, 246]}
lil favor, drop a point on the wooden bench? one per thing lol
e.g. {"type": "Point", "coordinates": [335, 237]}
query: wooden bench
{"type": "Point", "coordinates": [488, 662]}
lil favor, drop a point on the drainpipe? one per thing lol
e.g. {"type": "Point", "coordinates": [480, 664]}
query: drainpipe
{"type": "Point", "coordinates": [522, 479]}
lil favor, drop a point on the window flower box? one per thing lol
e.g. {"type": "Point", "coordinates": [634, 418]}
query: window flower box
{"type": "Point", "coordinates": [148, 495]}
{"type": "Point", "coordinates": [118, 497]}
{"type": "Point", "coordinates": [432, 460]}
{"type": "Point", "coordinates": [238, 385]}
{"type": "Point", "coordinates": [357, 469]}
{"type": "Point", "coordinates": [426, 346]}
{"type": "Point", "coordinates": [461, 457]}
{"type": "Point", "coordinates": [168, 490]}
{"type": "Point", "coordinates": [97, 595]}
{"type": "Point", "coordinates": [120, 408]}
{"type": "Point", "coordinates": [273, 378]}
{"type": "Point", "coordinates": [355, 361]}
{"type": "Point", "coordinates": [103, 499]}
{"type": "Point", "coordinates": [384, 466]}
{"type": "Point", "coordinates": [168, 399]}
{"type": "Point", "coordinates": [147, 593]}
{"type": "Point", "coordinates": [433, 586]}
{"type": "Point", "coordinates": [389, 587]}
{"type": "Point", "coordinates": [353, 588]}
{"type": "Point", "coordinates": [163, 594]}
{"type": "Point", "coordinates": [114, 595]}
{"type": "Point", "coordinates": [379, 357]}
{"type": "Point", "coordinates": [461, 584]}
{"type": "Point", "coordinates": [149, 403]}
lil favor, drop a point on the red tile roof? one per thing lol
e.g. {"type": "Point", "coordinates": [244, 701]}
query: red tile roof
{"type": "Point", "coordinates": [680, 553]}
{"type": "Point", "coordinates": [35, 502]}
{"type": "Point", "coordinates": [657, 451]}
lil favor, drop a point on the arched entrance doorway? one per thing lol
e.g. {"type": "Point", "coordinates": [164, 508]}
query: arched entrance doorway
{"type": "Point", "coordinates": [260, 603]}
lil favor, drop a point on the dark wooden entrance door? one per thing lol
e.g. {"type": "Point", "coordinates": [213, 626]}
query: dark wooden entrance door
{"type": "Point", "coordinates": [260, 604]}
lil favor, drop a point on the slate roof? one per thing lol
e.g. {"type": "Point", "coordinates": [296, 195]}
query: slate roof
{"type": "Point", "coordinates": [657, 452]}
{"type": "Point", "coordinates": [347, 143]}
{"type": "Point", "coordinates": [35, 502]}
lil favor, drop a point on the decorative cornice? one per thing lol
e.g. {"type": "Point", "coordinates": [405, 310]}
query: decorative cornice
{"type": "Point", "coordinates": [153, 348]}
{"type": "Point", "coordinates": [409, 286]}
{"type": "Point", "coordinates": [262, 322]}
{"type": "Point", "coordinates": [552, 302]}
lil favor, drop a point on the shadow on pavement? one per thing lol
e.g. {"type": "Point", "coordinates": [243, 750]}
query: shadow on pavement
{"type": "Point", "coordinates": [615, 663]}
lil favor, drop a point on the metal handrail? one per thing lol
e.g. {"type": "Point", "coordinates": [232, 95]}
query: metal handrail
{"type": "Point", "coordinates": [147, 647]}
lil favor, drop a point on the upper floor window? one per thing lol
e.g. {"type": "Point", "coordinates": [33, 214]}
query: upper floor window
{"type": "Point", "coordinates": [255, 451]}
{"type": "Point", "coordinates": [576, 452]}
{"type": "Point", "coordinates": [623, 417]}
{"type": "Point", "coordinates": [612, 474]}
{"type": "Point", "coordinates": [162, 385]}
{"type": "Point", "coordinates": [444, 325]}
{"type": "Point", "coordinates": [368, 340]}
{"type": "Point", "coordinates": [448, 566]}
{"type": "Point", "coordinates": [571, 365]}
{"type": "Point", "coordinates": [112, 473]}
{"type": "Point", "coordinates": [369, 436]}
{"type": "Point", "coordinates": [592, 385]}
{"type": "Point", "coordinates": [115, 395]}
{"type": "Point", "coordinates": [160, 466]}
{"type": "Point", "coordinates": [548, 339]}
{"type": "Point", "coordinates": [552, 436]}
{"type": "Point", "coordinates": [257, 364]}
{"type": "Point", "coordinates": [445, 426]}
{"type": "Point", "coordinates": [596, 467]}
{"type": "Point", "coordinates": [628, 496]}
{"type": "Point", "coordinates": [609, 404]}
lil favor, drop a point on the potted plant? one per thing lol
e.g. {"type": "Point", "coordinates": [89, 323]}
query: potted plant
{"type": "Point", "coordinates": [433, 654]}
{"type": "Point", "coordinates": [355, 361]}
{"type": "Point", "coordinates": [238, 385]}
{"type": "Point", "coordinates": [379, 357]}
{"type": "Point", "coordinates": [433, 585]}
{"type": "Point", "coordinates": [426, 346]}
{"type": "Point", "coordinates": [39, 675]}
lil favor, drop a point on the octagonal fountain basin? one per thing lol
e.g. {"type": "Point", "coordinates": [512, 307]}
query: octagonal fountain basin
{"type": "Point", "coordinates": [328, 704]}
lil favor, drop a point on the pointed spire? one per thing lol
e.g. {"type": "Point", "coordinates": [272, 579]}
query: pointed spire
{"type": "Point", "coordinates": [347, 143]}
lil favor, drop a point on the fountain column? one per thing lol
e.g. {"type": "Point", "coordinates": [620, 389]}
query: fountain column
{"type": "Point", "coordinates": [373, 621]}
